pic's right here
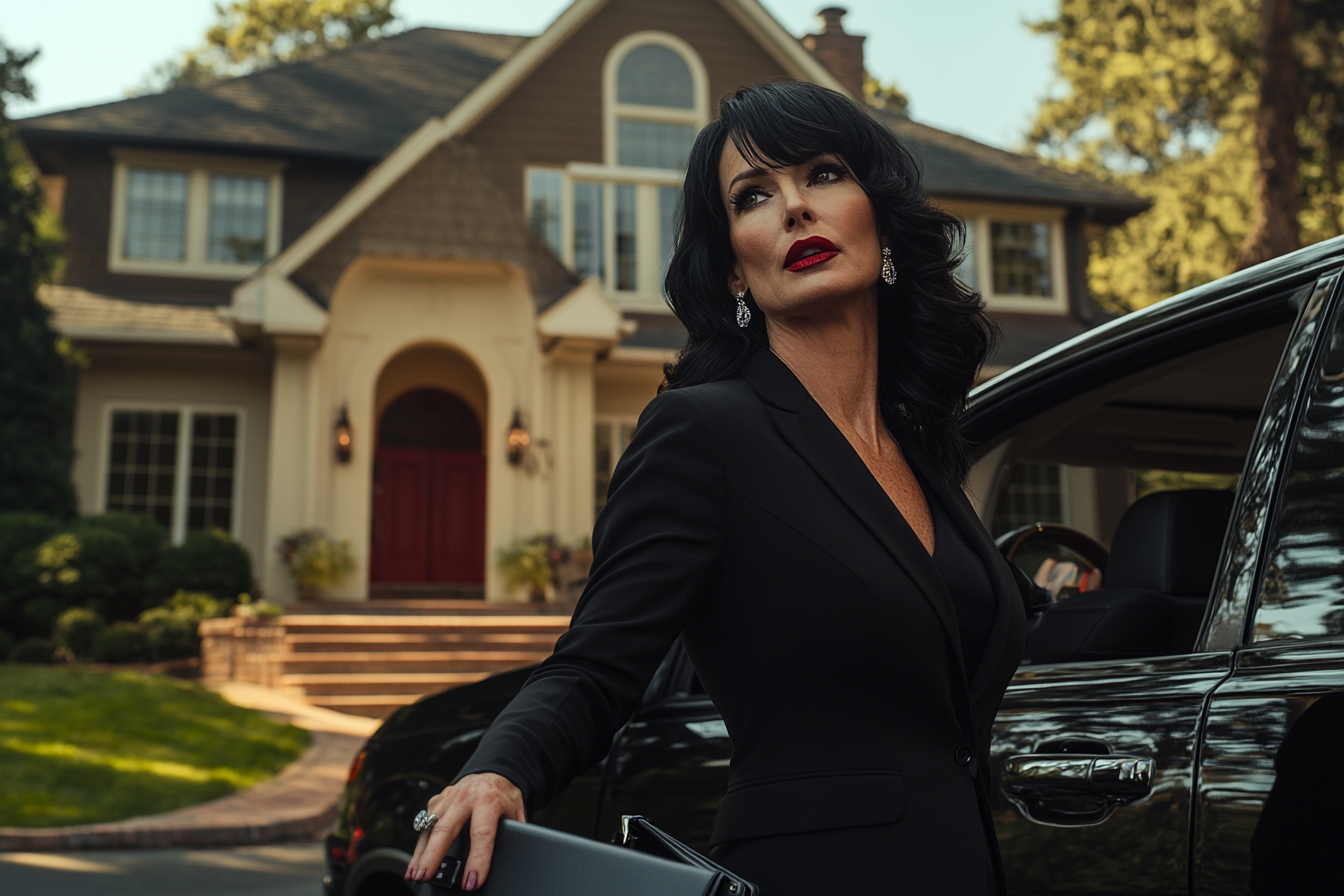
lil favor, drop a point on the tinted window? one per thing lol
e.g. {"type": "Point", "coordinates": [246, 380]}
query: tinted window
{"type": "Point", "coordinates": [1302, 593]}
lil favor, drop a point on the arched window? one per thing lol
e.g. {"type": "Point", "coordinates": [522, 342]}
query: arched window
{"type": "Point", "coordinates": [656, 101]}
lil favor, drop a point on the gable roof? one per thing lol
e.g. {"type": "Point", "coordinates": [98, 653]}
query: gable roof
{"type": "Point", "coordinates": [357, 103]}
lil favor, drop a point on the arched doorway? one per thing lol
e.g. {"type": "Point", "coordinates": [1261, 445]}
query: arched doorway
{"type": "Point", "coordinates": [428, 491]}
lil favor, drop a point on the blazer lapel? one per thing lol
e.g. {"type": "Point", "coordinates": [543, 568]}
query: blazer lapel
{"type": "Point", "coordinates": [802, 422]}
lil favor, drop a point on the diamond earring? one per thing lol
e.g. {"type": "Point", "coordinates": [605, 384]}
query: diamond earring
{"type": "Point", "coordinates": [888, 269]}
{"type": "Point", "coordinates": [743, 312]}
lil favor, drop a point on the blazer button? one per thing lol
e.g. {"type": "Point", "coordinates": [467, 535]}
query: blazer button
{"type": "Point", "coordinates": [963, 756]}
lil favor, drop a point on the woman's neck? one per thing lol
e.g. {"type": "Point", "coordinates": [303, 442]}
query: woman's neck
{"type": "Point", "coordinates": [835, 358]}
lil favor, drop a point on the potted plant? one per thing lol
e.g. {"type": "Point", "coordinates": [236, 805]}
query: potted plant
{"type": "Point", "coordinates": [546, 568]}
{"type": "Point", "coordinates": [316, 561]}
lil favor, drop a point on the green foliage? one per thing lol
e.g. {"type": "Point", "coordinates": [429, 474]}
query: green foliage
{"type": "Point", "coordinates": [209, 562]}
{"type": "Point", "coordinates": [80, 746]}
{"type": "Point", "coordinates": [315, 559]}
{"type": "Point", "coordinates": [37, 368]}
{"type": "Point", "coordinates": [20, 535]}
{"type": "Point", "coordinates": [253, 34]}
{"type": "Point", "coordinates": [883, 95]}
{"type": "Point", "coordinates": [1161, 97]}
{"type": "Point", "coordinates": [75, 632]}
{"type": "Point", "coordinates": [33, 651]}
{"type": "Point", "coordinates": [534, 563]}
{"type": "Point", "coordinates": [171, 630]}
{"type": "Point", "coordinates": [121, 642]}
{"type": "Point", "coordinates": [6, 645]}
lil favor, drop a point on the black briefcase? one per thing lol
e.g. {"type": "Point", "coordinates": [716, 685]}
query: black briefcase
{"type": "Point", "coordinates": [530, 860]}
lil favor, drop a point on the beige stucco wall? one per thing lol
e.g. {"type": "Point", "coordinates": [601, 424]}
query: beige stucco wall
{"type": "Point", "coordinates": [390, 320]}
{"type": "Point", "coordinates": [152, 376]}
{"type": "Point", "coordinates": [624, 387]}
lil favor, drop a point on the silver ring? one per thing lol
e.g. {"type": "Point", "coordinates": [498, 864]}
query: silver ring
{"type": "Point", "coordinates": [424, 821]}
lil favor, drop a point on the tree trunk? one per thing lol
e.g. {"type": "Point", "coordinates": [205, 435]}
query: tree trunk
{"type": "Point", "coordinates": [1275, 229]}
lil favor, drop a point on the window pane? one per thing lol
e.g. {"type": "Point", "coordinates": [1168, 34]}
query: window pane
{"type": "Point", "coordinates": [626, 274]}
{"type": "Point", "coordinates": [1021, 254]}
{"type": "Point", "coordinates": [237, 219]}
{"type": "Point", "coordinates": [1302, 595]}
{"type": "Point", "coordinates": [668, 199]}
{"type": "Point", "coordinates": [965, 271]}
{"type": "Point", "coordinates": [588, 249]}
{"type": "Point", "coordinates": [156, 214]}
{"type": "Point", "coordinates": [1034, 495]}
{"type": "Point", "coordinates": [653, 144]}
{"type": "Point", "coordinates": [603, 463]}
{"type": "Point", "coordinates": [142, 464]}
{"type": "Point", "coordinates": [655, 76]}
{"type": "Point", "coordinates": [543, 190]}
{"type": "Point", "coordinates": [210, 486]}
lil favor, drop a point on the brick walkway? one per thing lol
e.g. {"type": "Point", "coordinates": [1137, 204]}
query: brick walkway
{"type": "Point", "coordinates": [299, 803]}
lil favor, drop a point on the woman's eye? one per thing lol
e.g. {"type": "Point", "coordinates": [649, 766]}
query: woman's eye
{"type": "Point", "coordinates": [827, 174]}
{"type": "Point", "coordinates": [748, 197]}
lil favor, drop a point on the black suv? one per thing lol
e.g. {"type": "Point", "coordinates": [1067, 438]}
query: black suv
{"type": "Point", "coordinates": [1178, 723]}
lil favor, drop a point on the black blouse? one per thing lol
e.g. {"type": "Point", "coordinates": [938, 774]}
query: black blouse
{"type": "Point", "coordinates": [967, 581]}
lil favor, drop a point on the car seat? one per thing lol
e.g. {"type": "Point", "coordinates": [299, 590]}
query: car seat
{"type": "Point", "coordinates": [1161, 570]}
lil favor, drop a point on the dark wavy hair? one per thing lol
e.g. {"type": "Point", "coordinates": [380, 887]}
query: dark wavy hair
{"type": "Point", "coordinates": [933, 333]}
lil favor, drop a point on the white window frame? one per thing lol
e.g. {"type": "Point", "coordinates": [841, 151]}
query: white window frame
{"type": "Point", "coordinates": [978, 219]}
{"type": "Point", "coordinates": [616, 421]}
{"type": "Point", "coordinates": [199, 168]}
{"type": "Point", "coordinates": [182, 472]}
{"type": "Point", "coordinates": [612, 109]}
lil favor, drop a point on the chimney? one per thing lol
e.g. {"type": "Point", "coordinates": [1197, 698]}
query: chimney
{"type": "Point", "coordinates": [841, 53]}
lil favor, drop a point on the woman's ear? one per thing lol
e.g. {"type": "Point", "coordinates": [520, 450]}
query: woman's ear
{"type": "Point", "coordinates": [736, 282]}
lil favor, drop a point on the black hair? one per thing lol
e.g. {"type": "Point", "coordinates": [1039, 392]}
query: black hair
{"type": "Point", "coordinates": [933, 333]}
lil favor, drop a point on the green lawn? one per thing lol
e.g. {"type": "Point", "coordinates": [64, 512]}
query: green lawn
{"type": "Point", "coordinates": [78, 746]}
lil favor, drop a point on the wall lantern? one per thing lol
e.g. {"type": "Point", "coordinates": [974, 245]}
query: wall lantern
{"type": "Point", "coordinates": [518, 440]}
{"type": "Point", "coordinates": [345, 439]}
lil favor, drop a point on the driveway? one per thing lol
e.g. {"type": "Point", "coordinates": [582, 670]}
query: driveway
{"type": "Point", "coordinates": [288, 870]}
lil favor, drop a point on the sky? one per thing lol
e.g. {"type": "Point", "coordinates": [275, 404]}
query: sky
{"type": "Point", "coordinates": [968, 66]}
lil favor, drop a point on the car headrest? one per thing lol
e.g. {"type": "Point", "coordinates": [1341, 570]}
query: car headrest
{"type": "Point", "coordinates": [1168, 542]}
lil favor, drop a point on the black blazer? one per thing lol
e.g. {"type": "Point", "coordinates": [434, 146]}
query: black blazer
{"type": "Point", "coordinates": [743, 520]}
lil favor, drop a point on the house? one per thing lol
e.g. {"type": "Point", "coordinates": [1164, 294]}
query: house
{"type": "Point", "coordinates": [409, 292]}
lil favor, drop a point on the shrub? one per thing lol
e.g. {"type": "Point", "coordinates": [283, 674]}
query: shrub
{"type": "Point", "coordinates": [33, 650]}
{"type": "Point", "coordinates": [209, 562]}
{"type": "Point", "coordinates": [6, 645]}
{"type": "Point", "coordinates": [316, 560]}
{"type": "Point", "coordinates": [20, 534]}
{"type": "Point", "coordinates": [91, 567]}
{"type": "Point", "coordinates": [75, 631]}
{"type": "Point", "coordinates": [121, 642]}
{"type": "Point", "coordinates": [171, 630]}
{"type": "Point", "coordinates": [146, 537]}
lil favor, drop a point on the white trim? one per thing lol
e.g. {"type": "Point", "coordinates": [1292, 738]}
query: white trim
{"type": "Point", "coordinates": [612, 109]}
{"type": "Point", "coordinates": [199, 169]}
{"type": "Point", "coordinates": [182, 471]}
{"type": "Point", "coordinates": [979, 216]}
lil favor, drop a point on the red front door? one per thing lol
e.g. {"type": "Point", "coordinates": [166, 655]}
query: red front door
{"type": "Point", "coordinates": [428, 516]}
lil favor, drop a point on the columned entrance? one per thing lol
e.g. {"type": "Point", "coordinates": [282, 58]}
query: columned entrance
{"type": "Point", "coordinates": [428, 492]}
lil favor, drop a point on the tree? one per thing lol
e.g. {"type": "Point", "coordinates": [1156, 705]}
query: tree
{"type": "Point", "coordinates": [252, 34]}
{"type": "Point", "coordinates": [37, 368]}
{"type": "Point", "coordinates": [1163, 97]}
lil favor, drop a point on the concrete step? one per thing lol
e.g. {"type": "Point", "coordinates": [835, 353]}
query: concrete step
{"type": "Point", "coordinates": [369, 642]}
{"type": "Point", "coordinates": [412, 661]}
{"type": "Point", "coordinates": [322, 684]}
{"type": "Point", "coordinates": [388, 607]}
{"type": "Point", "coordinates": [332, 624]}
{"type": "Point", "coordinates": [374, 706]}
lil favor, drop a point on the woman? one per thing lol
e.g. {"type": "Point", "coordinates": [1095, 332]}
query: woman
{"type": "Point", "coordinates": [791, 507]}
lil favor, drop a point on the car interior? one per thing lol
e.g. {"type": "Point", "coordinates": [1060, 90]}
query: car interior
{"type": "Point", "coordinates": [1117, 501]}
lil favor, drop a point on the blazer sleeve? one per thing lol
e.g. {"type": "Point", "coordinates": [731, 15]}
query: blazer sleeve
{"type": "Point", "coordinates": [656, 546]}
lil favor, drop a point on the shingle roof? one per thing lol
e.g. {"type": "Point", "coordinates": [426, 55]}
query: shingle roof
{"type": "Point", "coordinates": [357, 103]}
{"type": "Point", "coordinates": [81, 314]}
{"type": "Point", "coordinates": [956, 166]}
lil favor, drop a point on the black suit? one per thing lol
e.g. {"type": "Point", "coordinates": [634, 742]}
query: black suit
{"type": "Point", "coordinates": [741, 518]}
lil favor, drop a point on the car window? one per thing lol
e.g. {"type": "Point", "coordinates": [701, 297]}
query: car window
{"type": "Point", "coordinates": [1302, 590]}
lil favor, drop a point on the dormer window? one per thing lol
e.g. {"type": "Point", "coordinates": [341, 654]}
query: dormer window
{"type": "Point", "coordinates": [615, 221]}
{"type": "Point", "coordinates": [193, 216]}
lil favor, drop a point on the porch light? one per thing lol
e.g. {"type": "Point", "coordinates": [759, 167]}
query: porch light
{"type": "Point", "coordinates": [345, 439]}
{"type": "Point", "coordinates": [518, 440]}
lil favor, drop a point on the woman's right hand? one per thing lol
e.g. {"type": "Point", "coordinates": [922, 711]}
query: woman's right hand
{"type": "Point", "coordinates": [480, 800]}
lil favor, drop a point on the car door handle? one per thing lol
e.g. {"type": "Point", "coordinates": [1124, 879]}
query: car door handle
{"type": "Point", "coordinates": [1073, 789]}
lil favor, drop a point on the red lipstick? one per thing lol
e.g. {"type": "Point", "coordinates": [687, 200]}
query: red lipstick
{"type": "Point", "coordinates": [806, 253]}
